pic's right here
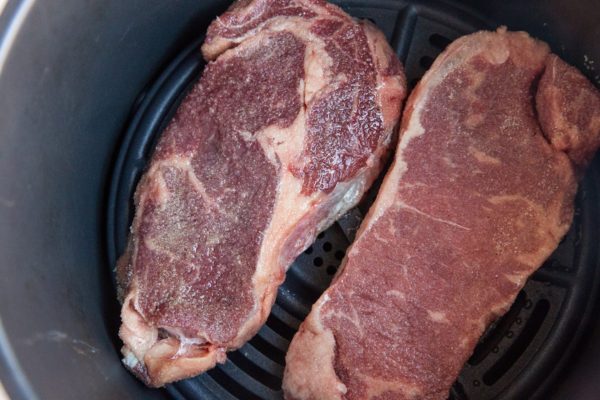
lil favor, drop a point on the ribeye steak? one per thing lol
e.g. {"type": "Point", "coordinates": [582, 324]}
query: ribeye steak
{"type": "Point", "coordinates": [480, 193]}
{"type": "Point", "coordinates": [286, 129]}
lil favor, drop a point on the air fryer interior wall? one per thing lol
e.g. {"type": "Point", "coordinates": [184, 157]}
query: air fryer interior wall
{"type": "Point", "coordinates": [70, 83]}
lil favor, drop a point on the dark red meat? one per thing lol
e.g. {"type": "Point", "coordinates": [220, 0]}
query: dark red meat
{"type": "Point", "coordinates": [283, 133]}
{"type": "Point", "coordinates": [476, 200]}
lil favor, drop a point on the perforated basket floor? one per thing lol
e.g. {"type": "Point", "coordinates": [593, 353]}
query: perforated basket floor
{"type": "Point", "coordinates": [518, 356]}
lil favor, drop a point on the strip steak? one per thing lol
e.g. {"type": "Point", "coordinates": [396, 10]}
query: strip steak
{"type": "Point", "coordinates": [479, 195]}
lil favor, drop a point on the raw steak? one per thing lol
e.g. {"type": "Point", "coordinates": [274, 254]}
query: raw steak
{"type": "Point", "coordinates": [284, 132]}
{"type": "Point", "coordinates": [477, 198]}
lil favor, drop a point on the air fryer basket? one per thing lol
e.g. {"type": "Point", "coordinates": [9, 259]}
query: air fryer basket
{"type": "Point", "coordinates": [58, 313]}
{"type": "Point", "coordinates": [517, 354]}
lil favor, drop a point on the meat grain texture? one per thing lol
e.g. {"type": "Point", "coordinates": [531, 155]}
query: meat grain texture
{"type": "Point", "coordinates": [286, 129]}
{"type": "Point", "coordinates": [481, 192]}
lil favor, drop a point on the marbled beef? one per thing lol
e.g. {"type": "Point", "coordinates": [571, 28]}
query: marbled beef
{"type": "Point", "coordinates": [283, 133]}
{"type": "Point", "coordinates": [480, 193]}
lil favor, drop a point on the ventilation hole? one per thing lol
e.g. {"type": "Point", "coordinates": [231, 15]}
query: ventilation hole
{"type": "Point", "coordinates": [439, 41]}
{"type": "Point", "coordinates": [495, 334]}
{"type": "Point", "coordinates": [327, 246]}
{"type": "Point", "coordinates": [280, 327]}
{"type": "Point", "coordinates": [426, 62]}
{"type": "Point", "coordinates": [268, 350]}
{"type": "Point", "coordinates": [321, 235]}
{"type": "Point", "coordinates": [339, 255]}
{"type": "Point", "coordinates": [331, 270]}
{"type": "Point", "coordinates": [231, 385]}
{"type": "Point", "coordinates": [309, 250]}
{"type": "Point", "coordinates": [318, 261]}
{"type": "Point", "coordinates": [254, 371]}
{"type": "Point", "coordinates": [520, 344]}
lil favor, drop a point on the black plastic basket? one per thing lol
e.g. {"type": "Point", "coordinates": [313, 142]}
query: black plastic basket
{"type": "Point", "coordinates": [520, 354]}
